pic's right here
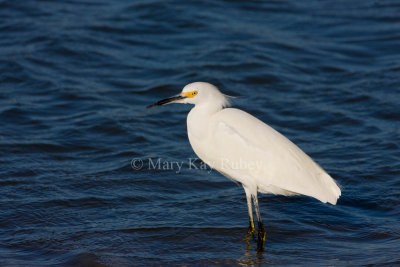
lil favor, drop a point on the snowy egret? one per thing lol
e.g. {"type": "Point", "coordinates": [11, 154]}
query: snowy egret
{"type": "Point", "coordinates": [246, 150]}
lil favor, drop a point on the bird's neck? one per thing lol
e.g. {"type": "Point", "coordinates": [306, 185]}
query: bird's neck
{"type": "Point", "coordinates": [198, 120]}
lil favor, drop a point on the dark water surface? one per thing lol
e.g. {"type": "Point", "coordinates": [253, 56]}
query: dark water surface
{"type": "Point", "coordinates": [75, 77]}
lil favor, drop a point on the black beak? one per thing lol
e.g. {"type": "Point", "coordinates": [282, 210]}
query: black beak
{"type": "Point", "coordinates": [167, 101]}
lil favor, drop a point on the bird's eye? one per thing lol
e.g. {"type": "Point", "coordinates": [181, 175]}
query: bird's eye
{"type": "Point", "coordinates": [195, 93]}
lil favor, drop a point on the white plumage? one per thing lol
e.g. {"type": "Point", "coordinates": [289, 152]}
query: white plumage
{"type": "Point", "coordinates": [245, 149]}
{"type": "Point", "coordinates": [254, 154]}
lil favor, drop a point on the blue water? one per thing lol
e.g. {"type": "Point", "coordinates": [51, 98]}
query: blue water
{"type": "Point", "coordinates": [76, 76]}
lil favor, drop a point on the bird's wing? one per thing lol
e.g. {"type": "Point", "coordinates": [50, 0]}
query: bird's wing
{"type": "Point", "coordinates": [246, 149]}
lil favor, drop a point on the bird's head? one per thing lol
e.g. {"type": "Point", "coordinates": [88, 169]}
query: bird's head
{"type": "Point", "coordinates": [197, 93]}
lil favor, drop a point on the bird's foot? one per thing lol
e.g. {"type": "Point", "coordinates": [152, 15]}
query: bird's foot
{"type": "Point", "coordinates": [261, 238]}
{"type": "Point", "coordinates": [251, 230]}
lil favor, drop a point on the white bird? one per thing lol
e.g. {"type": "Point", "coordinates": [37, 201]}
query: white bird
{"type": "Point", "coordinates": [245, 149]}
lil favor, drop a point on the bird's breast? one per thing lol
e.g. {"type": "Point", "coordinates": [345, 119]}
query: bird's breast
{"type": "Point", "coordinates": [199, 134]}
{"type": "Point", "coordinates": [198, 144]}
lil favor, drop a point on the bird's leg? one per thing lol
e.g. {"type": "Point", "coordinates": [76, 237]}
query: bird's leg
{"type": "Point", "coordinates": [261, 230]}
{"type": "Point", "coordinates": [251, 230]}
